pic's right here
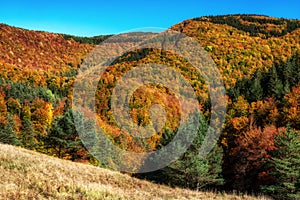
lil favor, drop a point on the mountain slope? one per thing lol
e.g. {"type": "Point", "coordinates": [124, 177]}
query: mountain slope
{"type": "Point", "coordinates": [241, 44]}
{"type": "Point", "coordinates": [38, 50]}
{"type": "Point", "coordinates": [35, 54]}
{"type": "Point", "coordinates": [26, 174]}
{"type": "Point", "coordinates": [257, 56]}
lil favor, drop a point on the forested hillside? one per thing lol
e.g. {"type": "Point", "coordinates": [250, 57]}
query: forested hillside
{"type": "Point", "coordinates": [258, 58]}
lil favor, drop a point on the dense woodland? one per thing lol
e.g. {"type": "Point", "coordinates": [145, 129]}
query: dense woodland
{"type": "Point", "coordinates": [258, 58]}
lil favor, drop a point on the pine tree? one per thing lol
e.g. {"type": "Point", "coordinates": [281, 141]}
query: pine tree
{"type": "Point", "coordinates": [28, 137]}
{"type": "Point", "coordinates": [286, 166]}
{"type": "Point", "coordinates": [63, 138]}
{"type": "Point", "coordinates": [7, 134]}
{"type": "Point", "coordinates": [192, 170]}
{"type": "Point", "coordinates": [256, 90]}
{"type": "Point", "coordinates": [275, 86]}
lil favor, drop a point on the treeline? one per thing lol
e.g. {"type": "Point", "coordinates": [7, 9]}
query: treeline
{"type": "Point", "coordinates": [87, 40]}
{"type": "Point", "coordinates": [256, 26]}
{"type": "Point", "coordinates": [275, 82]}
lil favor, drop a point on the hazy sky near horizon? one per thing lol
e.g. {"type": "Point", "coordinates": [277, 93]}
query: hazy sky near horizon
{"type": "Point", "coordinates": [88, 18]}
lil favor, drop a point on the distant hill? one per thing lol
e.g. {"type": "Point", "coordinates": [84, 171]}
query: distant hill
{"type": "Point", "coordinates": [242, 44]}
{"type": "Point", "coordinates": [87, 40]}
{"type": "Point", "coordinates": [24, 50]}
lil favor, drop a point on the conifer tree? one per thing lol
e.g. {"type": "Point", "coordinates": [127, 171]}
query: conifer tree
{"type": "Point", "coordinates": [7, 134]}
{"type": "Point", "coordinates": [192, 170]}
{"type": "Point", "coordinates": [286, 166]}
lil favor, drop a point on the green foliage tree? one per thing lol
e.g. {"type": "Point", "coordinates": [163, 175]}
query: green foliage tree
{"type": "Point", "coordinates": [285, 165]}
{"type": "Point", "coordinates": [256, 89]}
{"type": "Point", "coordinates": [191, 170]}
{"type": "Point", "coordinates": [198, 172]}
{"type": "Point", "coordinates": [63, 138]}
{"type": "Point", "coordinates": [28, 136]}
{"type": "Point", "coordinates": [7, 134]}
{"type": "Point", "coordinates": [275, 84]}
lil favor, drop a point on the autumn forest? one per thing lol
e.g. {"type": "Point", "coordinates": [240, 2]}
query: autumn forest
{"type": "Point", "coordinates": [258, 58]}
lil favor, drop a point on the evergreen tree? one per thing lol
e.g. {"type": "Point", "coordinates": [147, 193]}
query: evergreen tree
{"type": "Point", "coordinates": [7, 134]}
{"type": "Point", "coordinates": [192, 170]}
{"type": "Point", "coordinates": [256, 89]}
{"type": "Point", "coordinates": [63, 138]}
{"type": "Point", "coordinates": [199, 172]}
{"type": "Point", "coordinates": [275, 84]}
{"type": "Point", "coordinates": [28, 136]}
{"type": "Point", "coordinates": [286, 166]}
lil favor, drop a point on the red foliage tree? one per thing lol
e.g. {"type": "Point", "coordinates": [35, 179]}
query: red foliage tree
{"type": "Point", "coordinates": [246, 160]}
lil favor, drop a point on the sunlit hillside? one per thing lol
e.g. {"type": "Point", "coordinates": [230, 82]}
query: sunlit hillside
{"type": "Point", "coordinates": [258, 58]}
{"type": "Point", "coordinates": [29, 175]}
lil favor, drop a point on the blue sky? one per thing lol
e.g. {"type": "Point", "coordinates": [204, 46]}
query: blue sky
{"type": "Point", "coordinates": [88, 18]}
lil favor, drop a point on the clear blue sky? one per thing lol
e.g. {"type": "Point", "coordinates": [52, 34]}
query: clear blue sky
{"type": "Point", "coordinates": [88, 18]}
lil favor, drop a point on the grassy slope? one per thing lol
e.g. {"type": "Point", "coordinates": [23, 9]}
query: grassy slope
{"type": "Point", "coordinates": [26, 174]}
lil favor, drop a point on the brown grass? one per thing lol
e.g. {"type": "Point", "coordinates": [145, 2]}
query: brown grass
{"type": "Point", "coordinates": [29, 175]}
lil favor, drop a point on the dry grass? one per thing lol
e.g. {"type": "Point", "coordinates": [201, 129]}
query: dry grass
{"type": "Point", "coordinates": [29, 175]}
